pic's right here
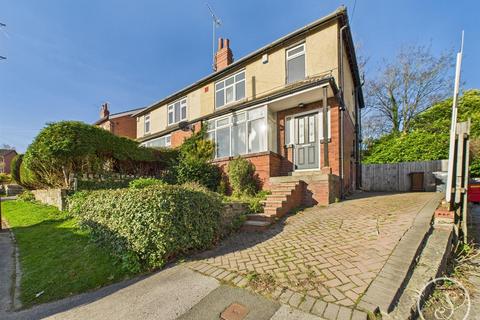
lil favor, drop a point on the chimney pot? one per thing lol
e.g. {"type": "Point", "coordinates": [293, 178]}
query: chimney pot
{"type": "Point", "coordinates": [104, 112]}
{"type": "Point", "coordinates": [224, 55]}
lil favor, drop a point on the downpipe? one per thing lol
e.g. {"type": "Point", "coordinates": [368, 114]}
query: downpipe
{"type": "Point", "coordinates": [342, 110]}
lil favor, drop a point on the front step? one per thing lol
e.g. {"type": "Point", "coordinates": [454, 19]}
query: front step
{"type": "Point", "coordinates": [280, 202]}
{"type": "Point", "coordinates": [255, 226]}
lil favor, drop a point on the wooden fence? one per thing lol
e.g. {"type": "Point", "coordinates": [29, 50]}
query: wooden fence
{"type": "Point", "coordinates": [395, 176]}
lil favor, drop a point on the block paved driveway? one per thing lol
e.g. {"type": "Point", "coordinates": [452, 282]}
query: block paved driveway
{"type": "Point", "coordinates": [321, 258]}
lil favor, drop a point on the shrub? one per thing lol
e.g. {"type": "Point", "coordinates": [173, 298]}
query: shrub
{"type": "Point", "coordinates": [26, 195]}
{"type": "Point", "coordinates": [71, 147]}
{"type": "Point", "coordinates": [200, 171]}
{"type": "Point", "coordinates": [194, 162]}
{"type": "Point", "coordinates": [15, 167]}
{"type": "Point", "coordinates": [241, 174]}
{"type": "Point", "coordinates": [141, 183]}
{"type": "Point", "coordinates": [101, 185]}
{"type": "Point", "coordinates": [148, 227]}
{"type": "Point", "coordinates": [5, 178]}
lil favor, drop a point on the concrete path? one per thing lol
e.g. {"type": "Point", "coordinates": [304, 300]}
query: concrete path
{"type": "Point", "coordinates": [7, 269]}
{"type": "Point", "coordinates": [174, 293]}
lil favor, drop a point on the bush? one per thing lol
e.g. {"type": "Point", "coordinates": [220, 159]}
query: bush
{"type": "Point", "coordinates": [5, 178]}
{"type": "Point", "coordinates": [148, 227]}
{"type": "Point", "coordinates": [241, 174]}
{"type": "Point", "coordinates": [15, 168]}
{"type": "Point", "coordinates": [194, 165]}
{"type": "Point", "coordinates": [83, 185]}
{"type": "Point", "coordinates": [200, 171]}
{"type": "Point", "coordinates": [69, 147]}
{"type": "Point", "coordinates": [144, 182]}
{"type": "Point", "coordinates": [255, 203]}
{"type": "Point", "coordinates": [26, 195]}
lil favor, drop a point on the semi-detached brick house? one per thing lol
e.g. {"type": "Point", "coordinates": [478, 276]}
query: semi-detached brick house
{"type": "Point", "coordinates": [122, 124]}
{"type": "Point", "coordinates": [271, 107]}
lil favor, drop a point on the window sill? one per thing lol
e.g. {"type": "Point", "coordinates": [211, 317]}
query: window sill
{"type": "Point", "coordinates": [231, 104]}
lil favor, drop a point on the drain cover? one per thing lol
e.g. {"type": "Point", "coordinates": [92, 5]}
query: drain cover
{"type": "Point", "coordinates": [235, 311]}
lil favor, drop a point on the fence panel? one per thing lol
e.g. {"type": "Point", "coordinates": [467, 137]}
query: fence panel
{"type": "Point", "coordinates": [395, 176]}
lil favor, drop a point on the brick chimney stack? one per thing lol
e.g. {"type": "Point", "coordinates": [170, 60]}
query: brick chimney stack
{"type": "Point", "coordinates": [104, 113]}
{"type": "Point", "coordinates": [224, 55]}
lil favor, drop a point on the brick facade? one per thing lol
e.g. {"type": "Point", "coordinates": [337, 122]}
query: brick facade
{"type": "Point", "coordinates": [125, 126]}
{"type": "Point", "coordinates": [267, 164]}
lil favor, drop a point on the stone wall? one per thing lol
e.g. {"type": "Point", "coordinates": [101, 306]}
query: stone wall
{"type": "Point", "coordinates": [53, 197]}
{"type": "Point", "coordinates": [230, 214]}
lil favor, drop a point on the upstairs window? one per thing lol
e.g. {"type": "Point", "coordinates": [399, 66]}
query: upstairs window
{"type": "Point", "coordinates": [295, 63]}
{"type": "Point", "coordinates": [230, 89]}
{"type": "Point", "coordinates": [177, 111]}
{"type": "Point", "coordinates": [146, 123]}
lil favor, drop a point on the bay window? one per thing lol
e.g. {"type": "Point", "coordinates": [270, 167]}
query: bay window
{"type": "Point", "coordinates": [230, 89]}
{"type": "Point", "coordinates": [242, 133]}
{"type": "Point", "coordinates": [177, 111]}
{"type": "Point", "coordinates": [162, 142]}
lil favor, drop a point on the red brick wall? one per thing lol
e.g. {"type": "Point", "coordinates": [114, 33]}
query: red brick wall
{"type": "Point", "coordinates": [179, 136]}
{"type": "Point", "coordinates": [7, 161]}
{"type": "Point", "coordinates": [125, 126]}
{"type": "Point", "coordinates": [267, 164]}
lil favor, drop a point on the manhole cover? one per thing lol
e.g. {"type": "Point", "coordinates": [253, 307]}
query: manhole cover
{"type": "Point", "coordinates": [235, 311]}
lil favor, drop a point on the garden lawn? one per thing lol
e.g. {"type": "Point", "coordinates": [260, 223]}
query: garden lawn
{"type": "Point", "coordinates": [56, 257]}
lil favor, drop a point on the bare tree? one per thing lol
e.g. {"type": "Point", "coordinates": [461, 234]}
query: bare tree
{"type": "Point", "coordinates": [415, 80]}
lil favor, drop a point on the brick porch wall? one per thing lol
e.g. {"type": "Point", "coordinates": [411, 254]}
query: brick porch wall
{"type": "Point", "coordinates": [267, 164]}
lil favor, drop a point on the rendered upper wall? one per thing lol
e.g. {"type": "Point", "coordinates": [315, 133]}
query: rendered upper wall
{"type": "Point", "coordinates": [321, 47]}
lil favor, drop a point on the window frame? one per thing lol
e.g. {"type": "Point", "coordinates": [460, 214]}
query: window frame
{"type": "Point", "coordinates": [231, 123]}
{"type": "Point", "coordinates": [287, 59]}
{"type": "Point", "coordinates": [167, 138]}
{"type": "Point", "coordinates": [171, 110]}
{"type": "Point", "coordinates": [146, 120]}
{"type": "Point", "coordinates": [233, 86]}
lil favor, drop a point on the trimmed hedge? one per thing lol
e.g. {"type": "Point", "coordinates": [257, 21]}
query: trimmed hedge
{"type": "Point", "coordinates": [148, 227]}
{"type": "Point", "coordinates": [70, 147]}
{"type": "Point", "coordinates": [15, 167]}
{"type": "Point", "coordinates": [141, 183]}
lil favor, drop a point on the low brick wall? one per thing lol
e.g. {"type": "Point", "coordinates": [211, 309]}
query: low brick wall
{"type": "Point", "coordinates": [53, 197]}
{"type": "Point", "coordinates": [231, 212]}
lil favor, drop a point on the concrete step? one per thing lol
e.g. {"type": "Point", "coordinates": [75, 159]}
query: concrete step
{"type": "Point", "coordinates": [13, 189]}
{"type": "Point", "coordinates": [271, 210]}
{"type": "Point", "coordinates": [275, 202]}
{"type": "Point", "coordinates": [255, 226]}
{"type": "Point", "coordinates": [261, 217]}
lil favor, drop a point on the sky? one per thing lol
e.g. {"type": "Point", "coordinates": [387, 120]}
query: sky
{"type": "Point", "coordinates": [66, 58]}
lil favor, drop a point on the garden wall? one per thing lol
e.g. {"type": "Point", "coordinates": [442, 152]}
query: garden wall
{"type": "Point", "coordinates": [53, 197]}
{"type": "Point", "coordinates": [230, 214]}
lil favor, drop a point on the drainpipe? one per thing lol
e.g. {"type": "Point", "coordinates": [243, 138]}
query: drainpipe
{"type": "Point", "coordinates": [342, 110]}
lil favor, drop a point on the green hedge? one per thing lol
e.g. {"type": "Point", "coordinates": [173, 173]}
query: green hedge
{"type": "Point", "coordinates": [148, 227]}
{"type": "Point", "coordinates": [241, 174]}
{"type": "Point", "coordinates": [71, 147]}
{"type": "Point", "coordinates": [15, 168]}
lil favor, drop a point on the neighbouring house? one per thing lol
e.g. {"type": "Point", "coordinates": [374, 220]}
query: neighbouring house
{"type": "Point", "coordinates": [6, 156]}
{"type": "Point", "coordinates": [292, 108]}
{"type": "Point", "coordinates": [122, 124]}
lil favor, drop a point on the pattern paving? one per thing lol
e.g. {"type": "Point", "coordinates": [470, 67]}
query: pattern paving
{"type": "Point", "coordinates": [320, 258]}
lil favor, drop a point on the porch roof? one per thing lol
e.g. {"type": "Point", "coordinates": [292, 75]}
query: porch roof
{"type": "Point", "coordinates": [288, 97]}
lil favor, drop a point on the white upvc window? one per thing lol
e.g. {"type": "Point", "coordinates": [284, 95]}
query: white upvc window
{"type": "Point", "coordinates": [240, 133]}
{"type": "Point", "coordinates": [295, 63]}
{"type": "Point", "coordinates": [230, 89]}
{"type": "Point", "coordinates": [177, 111]}
{"type": "Point", "coordinates": [162, 142]}
{"type": "Point", "coordinates": [146, 123]}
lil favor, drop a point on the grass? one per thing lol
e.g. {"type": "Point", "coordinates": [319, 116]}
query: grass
{"type": "Point", "coordinates": [56, 257]}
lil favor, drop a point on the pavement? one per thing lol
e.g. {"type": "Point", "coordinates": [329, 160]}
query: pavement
{"type": "Point", "coordinates": [312, 265]}
{"type": "Point", "coordinates": [7, 268]}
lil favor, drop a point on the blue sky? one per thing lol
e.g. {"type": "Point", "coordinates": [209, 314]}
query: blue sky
{"type": "Point", "coordinates": [65, 58]}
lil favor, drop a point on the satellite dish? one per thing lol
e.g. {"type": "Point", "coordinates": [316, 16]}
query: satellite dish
{"type": "Point", "coordinates": [184, 126]}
